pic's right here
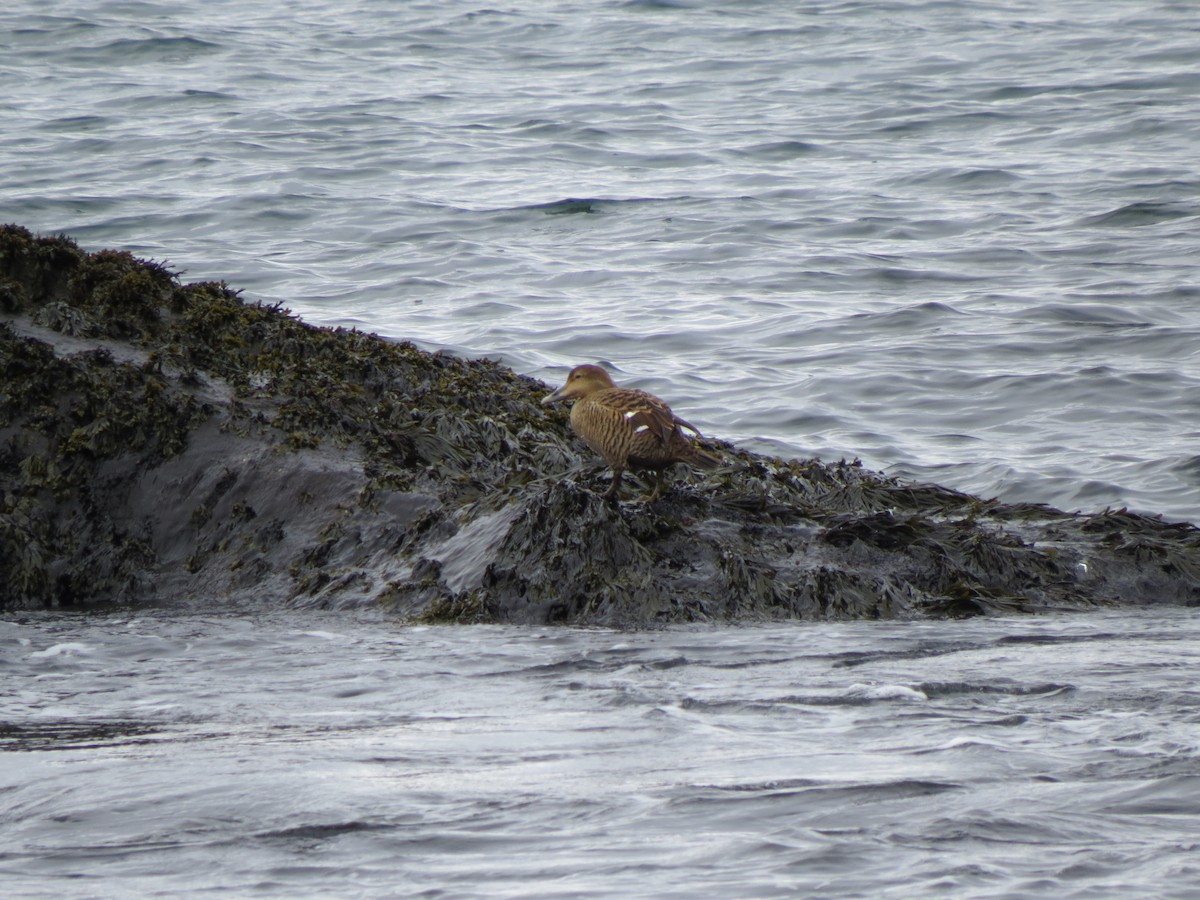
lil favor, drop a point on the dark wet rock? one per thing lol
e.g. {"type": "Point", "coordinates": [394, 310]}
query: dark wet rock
{"type": "Point", "coordinates": [165, 442]}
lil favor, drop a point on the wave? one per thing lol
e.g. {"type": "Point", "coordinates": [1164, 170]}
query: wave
{"type": "Point", "coordinates": [1146, 212]}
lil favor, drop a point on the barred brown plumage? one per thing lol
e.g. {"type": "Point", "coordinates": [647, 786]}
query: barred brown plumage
{"type": "Point", "coordinates": [630, 428]}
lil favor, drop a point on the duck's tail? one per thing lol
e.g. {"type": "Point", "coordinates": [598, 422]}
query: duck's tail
{"type": "Point", "coordinates": [688, 451]}
{"type": "Point", "coordinates": [700, 458]}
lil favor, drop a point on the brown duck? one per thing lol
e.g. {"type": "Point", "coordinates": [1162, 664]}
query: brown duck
{"type": "Point", "coordinates": [630, 428]}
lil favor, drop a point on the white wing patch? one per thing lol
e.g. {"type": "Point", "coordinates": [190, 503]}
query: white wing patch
{"type": "Point", "coordinates": [631, 413]}
{"type": "Point", "coordinates": [641, 428]}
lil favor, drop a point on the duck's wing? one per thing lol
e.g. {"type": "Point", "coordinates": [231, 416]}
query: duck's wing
{"type": "Point", "coordinates": [643, 412]}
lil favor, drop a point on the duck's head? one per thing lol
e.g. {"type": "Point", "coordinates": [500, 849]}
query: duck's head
{"type": "Point", "coordinates": [583, 380]}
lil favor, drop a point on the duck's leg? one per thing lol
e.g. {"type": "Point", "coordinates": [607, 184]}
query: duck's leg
{"type": "Point", "coordinates": [659, 484]}
{"type": "Point", "coordinates": [611, 494]}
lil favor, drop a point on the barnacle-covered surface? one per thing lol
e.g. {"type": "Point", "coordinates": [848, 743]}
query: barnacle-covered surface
{"type": "Point", "coordinates": [166, 442]}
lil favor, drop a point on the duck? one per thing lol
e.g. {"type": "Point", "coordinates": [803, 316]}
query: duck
{"type": "Point", "coordinates": [628, 427]}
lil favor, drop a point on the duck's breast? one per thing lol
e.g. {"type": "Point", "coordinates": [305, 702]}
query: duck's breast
{"type": "Point", "coordinates": [602, 428]}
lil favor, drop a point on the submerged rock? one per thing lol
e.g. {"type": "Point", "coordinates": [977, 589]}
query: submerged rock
{"type": "Point", "coordinates": [166, 442]}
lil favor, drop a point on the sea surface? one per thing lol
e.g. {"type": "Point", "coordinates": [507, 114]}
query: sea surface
{"type": "Point", "coordinates": [957, 240]}
{"type": "Point", "coordinates": [336, 755]}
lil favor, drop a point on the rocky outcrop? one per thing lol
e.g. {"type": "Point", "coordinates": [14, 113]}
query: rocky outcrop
{"type": "Point", "coordinates": [165, 442]}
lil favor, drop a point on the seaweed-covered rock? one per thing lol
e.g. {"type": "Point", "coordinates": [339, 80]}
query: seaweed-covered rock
{"type": "Point", "coordinates": [166, 442]}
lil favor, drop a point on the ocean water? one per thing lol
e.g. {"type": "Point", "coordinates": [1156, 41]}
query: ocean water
{"type": "Point", "coordinates": [957, 240]}
{"type": "Point", "coordinates": [337, 756]}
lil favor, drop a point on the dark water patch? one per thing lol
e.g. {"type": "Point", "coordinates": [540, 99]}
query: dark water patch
{"type": "Point", "coordinates": [1187, 80]}
{"type": "Point", "coordinates": [984, 118]}
{"type": "Point", "coordinates": [1178, 80]}
{"type": "Point", "coordinates": [655, 5]}
{"type": "Point", "coordinates": [135, 51]}
{"type": "Point", "coordinates": [1087, 313]}
{"type": "Point", "coordinates": [989, 828]}
{"type": "Point", "coordinates": [568, 207]}
{"type": "Point", "coordinates": [893, 228]}
{"type": "Point", "coordinates": [579, 664]}
{"type": "Point", "coordinates": [858, 696]}
{"type": "Point", "coordinates": [936, 689]}
{"type": "Point", "coordinates": [312, 835]}
{"type": "Point", "coordinates": [1136, 215]}
{"type": "Point", "coordinates": [1007, 722]}
{"type": "Point", "coordinates": [1017, 92]}
{"type": "Point", "coordinates": [750, 662]}
{"type": "Point", "coordinates": [962, 178]}
{"type": "Point", "coordinates": [1188, 466]}
{"type": "Point", "coordinates": [76, 123]}
{"type": "Point", "coordinates": [1054, 638]}
{"type": "Point", "coordinates": [673, 662]}
{"type": "Point", "coordinates": [995, 257]}
{"type": "Point", "coordinates": [780, 150]}
{"type": "Point", "coordinates": [1173, 184]}
{"type": "Point", "coordinates": [73, 734]}
{"type": "Point", "coordinates": [40, 23]}
{"type": "Point", "coordinates": [849, 793]}
{"type": "Point", "coordinates": [854, 658]}
{"type": "Point", "coordinates": [903, 275]}
{"type": "Point", "coordinates": [587, 205]}
{"type": "Point", "coordinates": [964, 439]}
{"type": "Point", "coordinates": [1172, 796]}
{"type": "Point", "coordinates": [210, 95]}
{"type": "Point", "coordinates": [93, 145]}
{"type": "Point", "coordinates": [585, 138]}
{"type": "Point", "coordinates": [1148, 762]}
{"type": "Point", "coordinates": [913, 126]}
{"type": "Point", "coordinates": [911, 316]}
{"type": "Point", "coordinates": [758, 787]}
